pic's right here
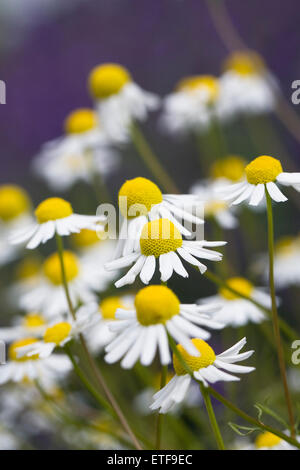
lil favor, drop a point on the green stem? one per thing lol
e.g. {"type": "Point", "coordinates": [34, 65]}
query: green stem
{"type": "Point", "coordinates": [212, 417]}
{"type": "Point", "coordinates": [275, 314]}
{"type": "Point", "coordinates": [159, 420]}
{"type": "Point", "coordinates": [151, 161]}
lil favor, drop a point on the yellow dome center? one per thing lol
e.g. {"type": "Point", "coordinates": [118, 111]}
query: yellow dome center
{"type": "Point", "coordinates": [85, 238]}
{"type": "Point", "coordinates": [158, 237]}
{"type": "Point", "coordinates": [240, 285]}
{"type": "Point", "coordinates": [53, 208]}
{"type": "Point", "coordinates": [81, 120]}
{"type": "Point", "coordinates": [213, 207]}
{"type": "Point", "coordinates": [52, 267]}
{"type": "Point", "coordinates": [109, 306]}
{"type": "Point", "coordinates": [201, 82]}
{"type": "Point", "coordinates": [231, 168]}
{"type": "Point", "coordinates": [206, 358]}
{"type": "Point", "coordinates": [284, 245]}
{"type": "Point", "coordinates": [263, 170]}
{"type": "Point", "coordinates": [33, 320]}
{"type": "Point", "coordinates": [141, 194]}
{"type": "Point", "coordinates": [107, 80]}
{"type": "Point", "coordinates": [13, 350]}
{"type": "Point", "coordinates": [57, 333]}
{"type": "Point", "coordinates": [267, 439]}
{"type": "Point", "coordinates": [245, 63]}
{"type": "Point", "coordinates": [14, 201]}
{"type": "Point", "coordinates": [156, 304]}
{"type": "Point", "coordinates": [28, 268]}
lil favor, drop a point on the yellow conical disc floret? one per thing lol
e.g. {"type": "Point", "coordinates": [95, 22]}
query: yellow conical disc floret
{"type": "Point", "coordinates": [57, 333]}
{"type": "Point", "coordinates": [245, 63]}
{"type": "Point", "coordinates": [198, 82]}
{"type": "Point", "coordinates": [206, 358]}
{"type": "Point", "coordinates": [231, 168]}
{"type": "Point", "coordinates": [52, 267]}
{"type": "Point", "coordinates": [14, 201]}
{"type": "Point", "coordinates": [81, 120]}
{"type": "Point", "coordinates": [284, 245]}
{"type": "Point", "coordinates": [158, 237]}
{"type": "Point", "coordinates": [156, 304]}
{"type": "Point", "coordinates": [85, 238]}
{"type": "Point", "coordinates": [13, 350]}
{"type": "Point", "coordinates": [239, 284]}
{"type": "Point", "coordinates": [107, 80]}
{"type": "Point", "coordinates": [267, 439]}
{"type": "Point", "coordinates": [28, 268]}
{"type": "Point", "coordinates": [141, 194]}
{"type": "Point", "coordinates": [33, 320]}
{"type": "Point", "coordinates": [109, 306]}
{"type": "Point", "coordinates": [263, 170]}
{"type": "Point", "coordinates": [53, 208]}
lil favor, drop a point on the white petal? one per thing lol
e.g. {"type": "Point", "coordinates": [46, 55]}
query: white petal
{"type": "Point", "coordinates": [275, 193]}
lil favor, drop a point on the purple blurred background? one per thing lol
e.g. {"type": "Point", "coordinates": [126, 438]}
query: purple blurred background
{"type": "Point", "coordinates": [45, 57]}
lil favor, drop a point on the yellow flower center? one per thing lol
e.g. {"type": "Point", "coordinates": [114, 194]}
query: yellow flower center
{"type": "Point", "coordinates": [214, 207]}
{"type": "Point", "coordinates": [33, 320]}
{"type": "Point", "coordinates": [53, 208]}
{"type": "Point", "coordinates": [206, 358]}
{"type": "Point", "coordinates": [28, 268]}
{"type": "Point", "coordinates": [263, 170]}
{"type": "Point", "coordinates": [240, 285]}
{"type": "Point", "coordinates": [85, 238]}
{"type": "Point", "coordinates": [267, 439]}
{"type": "Point", "coordinates": [57, 333]}
{"type": "Point", "coordinates": [14, 201]}
{"type": "Point", "coordinates": [231, 167]}
{"type": "Point", "coordinates": [107, 80]}
{"type": "Point", "coordinates": [81, 120]}
{"type": "Point", "coordinates": [284, 246]}
{"type": "Point", "coordinates": [109, 306]}
{"type": "Point", "coordinates": [52, 267]}
{"type": "Point", "coordinates": [198, 82]}
{"type": "Point", "coordinates": [156, 304]}
{"type": "Point", "coordinates": [141, 194]}
{"type": "Point", "coordinates": [158, 237]}
{"type": "Point", "coordinates": [12, 350]}
{"type": "Point", "coordinates": [245, 63]}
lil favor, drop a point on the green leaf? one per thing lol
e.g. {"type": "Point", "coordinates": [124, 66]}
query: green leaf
{"type": "Point", "coordinates": [267, 410]}
{"type": "Point", "coordinates": [237, 428]}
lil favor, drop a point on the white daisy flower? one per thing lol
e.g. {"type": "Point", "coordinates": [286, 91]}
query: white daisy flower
{"type": "Point", "coordinates": [261, 175]}
{"type": "Point", "coordinates": [100, 335]}
{"type": "Point", "coordinates": [269, 441]}
{"type": "Point", "coordinates": [234, 310]}
{"type": "Point", "coordinates": [83, 151]}
{"type": "Point", "coordinates": [245, 86]}
{"type": "Point", "coordinates": [59, 334]}
{"type": "Point", "coordinates": [207, 368]}
{"type": "Point", "coordinates": [143, 330]}
{"type": "Point", "coordinates": [141, 200]}
{"type": "Point", "coordinates": [119, 100]}
{"type": "Point", "coordinates": [55, 215]}
{"type": "Point", "coordinates": [31, 325]}
{"type": "Point", "coordinates": [161, 241]}
{"type": "Point", "coordinates": [32, 368]}
{"type": "Point", "coordinates": [49, 295]}
{"type": "Point", "coordinates": [191, 107]}
{"type": "Point", "coordinates": [15, 213]}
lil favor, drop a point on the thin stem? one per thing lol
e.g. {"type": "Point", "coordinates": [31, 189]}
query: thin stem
{"type": "Point", "coordinates": [159, 420]}
{"type": "Point", "coordinates": [212, 417]}
{"type": "Point", "coordinates": [275, 314]}
{"type": "Point", "coordinates": [60, 250]}
{"type": "Point", "coordinates": [151, 161]}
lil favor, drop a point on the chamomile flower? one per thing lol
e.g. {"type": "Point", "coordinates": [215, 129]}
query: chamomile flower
{"type": "Point", "coordinates": [60, 333]}
{"type": "Point", "coordinates": [286, 262]}
{"type": "Point", "coordinates": [100, 335]}
{"type": "Point", "coordinates": [78, 155]}
{"type": "Point", "coordinates": [162, 242]}
{"type": "Point", "coordinates": [141, 200]}
{"type": "Point", "coordinates": [269, 441]}
{"type": "Point", "coordinates": [119, 100]}
{"type": "Point", "coordinates": [261, 175]}
{"type": "Point", "coordinates": [229, 169]}
{"type": "Point", "coordinates": [234, 310]}
{"type": "Point", "coordinates": [18, 369]}
{"type": "Point", "coordinates": [191, 107]}
{"type": "Point", "coordinates": [142, 331]}
{"type": "Point", "coordinates": [245, 86]}
{"type": "Point", "coordinates": [207, 368]}
{"type": "Point", "coordinates": [15, 212]}
{"type": "Point", "coordinates": [49, 296]}
{"type": "Point", "coordinates": [31, 325]}
{"type": "Point", "coordinates": [55, 216]}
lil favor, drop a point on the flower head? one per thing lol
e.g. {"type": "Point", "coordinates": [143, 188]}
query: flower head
{"type": "Point", "coordinates": [14, 202]}
{"type": "Point", "coordinates": [108, 79]}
